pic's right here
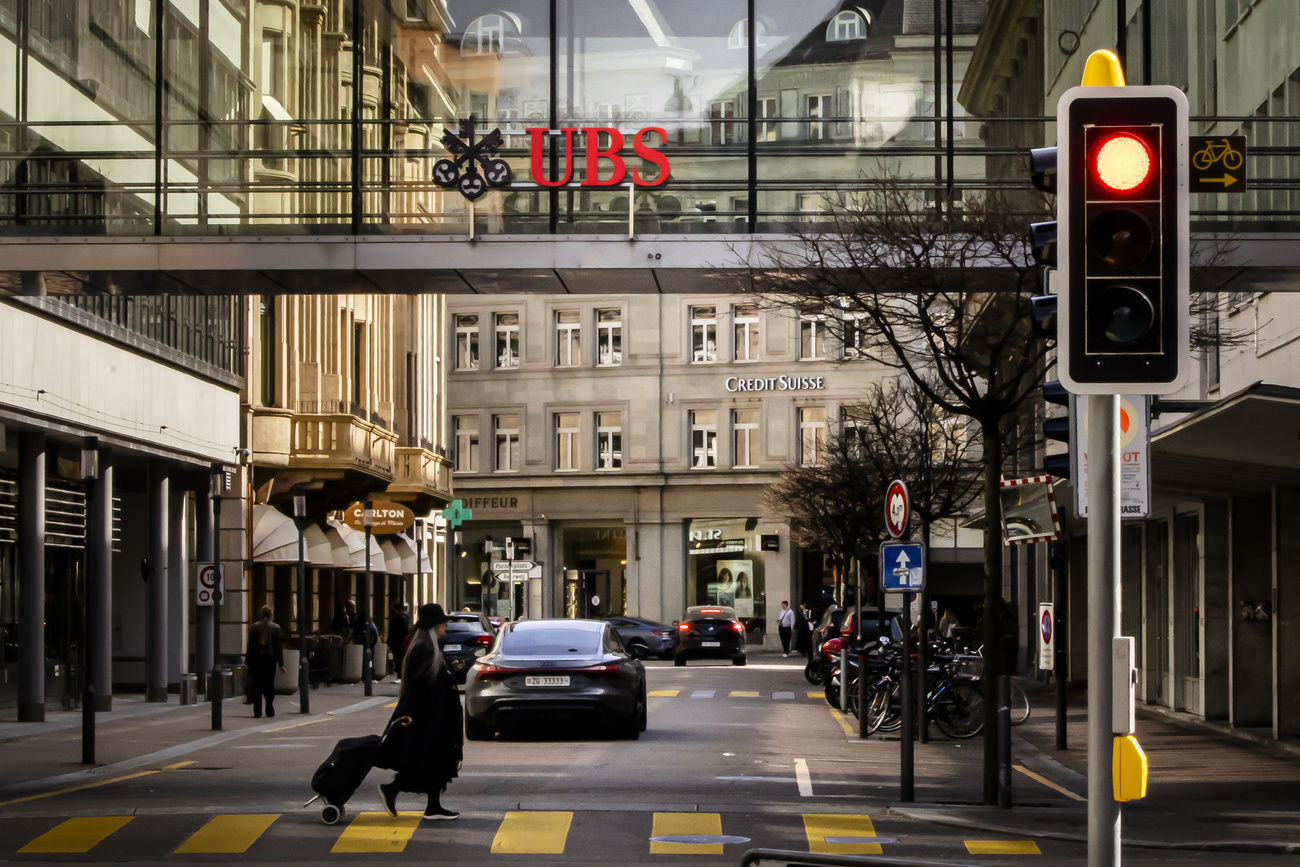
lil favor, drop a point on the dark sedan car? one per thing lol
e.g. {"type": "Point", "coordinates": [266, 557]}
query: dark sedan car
{"type": "Point", "coordinates": [710, 632]}
{"type": "Point", "coordinates": [468, 637]}
{"type": "Point", "coordinates": [556, 670]}
{"type": "Point", "coordinates": [645, 638]}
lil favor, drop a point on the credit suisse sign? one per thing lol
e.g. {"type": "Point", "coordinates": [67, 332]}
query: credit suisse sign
{"type": "Point", "coordinates": [776, 383]}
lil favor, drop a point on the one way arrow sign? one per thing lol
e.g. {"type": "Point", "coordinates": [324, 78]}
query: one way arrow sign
{"type": "Point", "coordinates": [902, 566]}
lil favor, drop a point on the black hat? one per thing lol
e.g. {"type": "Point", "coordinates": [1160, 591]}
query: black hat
{"type": "Point", "coordinates": [430, 615]}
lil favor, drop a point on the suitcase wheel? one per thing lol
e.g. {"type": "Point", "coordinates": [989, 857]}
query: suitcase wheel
{"type": "Point", "coordinates": [330, 814]}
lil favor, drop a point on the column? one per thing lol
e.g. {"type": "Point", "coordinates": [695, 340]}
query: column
{"type": "Point", "coordinates": [543, 595]}
{"type": "Point", "coordinates": [99, 584]}
{"type": "Point", "coordinates": [178, 595]}
{"type": "Point", "coordinates": [1217, 611]}
{"type": "Point", "coordinates": [155, 648]}
{"type": "Point", "coordinates": [31, 578]}
{"type": "Point", "coordinates": [203, 541]}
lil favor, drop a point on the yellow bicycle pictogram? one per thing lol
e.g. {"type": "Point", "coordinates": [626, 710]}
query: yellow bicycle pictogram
{"type": "Point", "coordinates": [1217, 151]}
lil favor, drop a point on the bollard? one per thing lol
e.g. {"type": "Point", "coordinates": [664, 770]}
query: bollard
{"type": "Point", "coordinates": [906, 757]}
{"type": "Point", "coordinates": [862, 693]}
{"type": "Point", "coordinates": [88, 723]}
{"type": "Point", "coordinates": [1004, 741]}
{"type": "Point", "coordinates": [844, 678]}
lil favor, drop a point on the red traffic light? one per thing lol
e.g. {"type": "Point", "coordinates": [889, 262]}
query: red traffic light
{"type": "Point", "coordinates": [1122, 163]}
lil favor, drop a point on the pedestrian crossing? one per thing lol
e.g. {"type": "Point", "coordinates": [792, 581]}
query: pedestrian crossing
{"type": "Point", "coordinates": [554, 833]}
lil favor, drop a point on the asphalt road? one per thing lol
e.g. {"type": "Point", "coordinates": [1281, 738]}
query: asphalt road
{"type": "Point", "coordinates": [743, 755]}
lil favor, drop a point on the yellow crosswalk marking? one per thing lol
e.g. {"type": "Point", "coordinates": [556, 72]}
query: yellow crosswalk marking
{"type": "Point", "coordinates": [376, 832]}
{"type": "Point", "coordinates": [674, 824]}
{"type": "Point", "coordinates": [663, 693]}
{"type": "Point", "coordinates": [532, 834]}
{"type": "Point", "coordinates": [830, 833]}
{"type": "Point", "coordinates": [76, 835]}
{"type": "Point", "coordinates": [227, 835]}
{"type": "Point", "coordinates": [812, 694]}
{"type": "Point", "coordinates": [1002, 847]}
{"type": "Point", "coordinates": [743, 693]}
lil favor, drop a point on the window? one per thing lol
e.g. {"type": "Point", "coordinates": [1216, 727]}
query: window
{"type": "Point", "coordinates": [275, 73]}
{"type": "Point", "coordinates": [855, 430]}
{"type": "Point", "coordinates": [268, 347]}
{"type": "Point", "coordinates": [609, 440]}
{"type": "Point", "coordinates": [704, 439]}
{"type": "Point", "coordinates": [812, 435]}
{"type": "Point", "coordinates": [744, 320]}
{"type": "Point", "coordinates": [744, 425]}
{"type": "Point", "coordinates": [704, 335]}
{"type": "Point", "coordinates": [845, 26]}
{"type": "Point", "coordinates": [813, 337]}
{"type": "Point", "coordinates": [766, 109]}
{"type": "Point", "coordinates": [485, 35]}
{"type": "Point", "coordinates": [415, 10]}
{"type": "Point", "coordinates": [566, 441]}
{"type": "Point", "coordinates": [739, 36]}
{"type": "Point", "coordinates": [507, 432]}
{"type": "Point", "coordinates": [813, 203]}
{"type": "Point", "coordinates": [723, 115]}
{"type": "Point", "coordinates": [947, 440]}
{"type": "Point", "coordinates": [467, 342]}
{"type": "Point", "coordinates": [507, 339]}
{"type": "Point", "coordinates": [855, 335]}
{"type": "Point", "coordinates": [609, 338]}
{"type": "Point", "coordinates": [466, 432]}
{"type": "Point", "coordinates": [568, 338]}
{"type": "Point", "coordinates": [819, 106]}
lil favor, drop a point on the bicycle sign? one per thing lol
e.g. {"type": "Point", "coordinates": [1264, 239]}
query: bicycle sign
{"type": "Point", "coordinates": [1218, 164]}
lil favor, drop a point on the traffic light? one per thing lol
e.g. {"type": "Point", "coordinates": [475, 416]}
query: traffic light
{"type": "Point", "coordinates": [1057, 428]}
{"type": "Point", "coordinates": [1123, 240]}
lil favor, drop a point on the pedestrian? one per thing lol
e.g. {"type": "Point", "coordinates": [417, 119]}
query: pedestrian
{"type": "Point", "coordinates": [398, 628]}
{"type": "Point", "coordinates": [263, 655]}
{"type": "Point", "coordinates": [785, 627]}
{"type": "Point", "coordinates": [949, 623]}
{"type": "Point", "coordinates": [802, 630]}
{"type": "Point", "coordinates": [425, 740]}
{"type": "Point", "coordinates": [347, 623]}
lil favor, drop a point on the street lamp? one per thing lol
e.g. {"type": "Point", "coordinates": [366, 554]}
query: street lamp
{"type": "Point", "coordinates": [368, 649]}
{"type": "Point", "coordinates": [89, 475]}
{"type": "Point", "coordinates": [216, 487]}
{"type": "Point", "coordinates": [300, 520]}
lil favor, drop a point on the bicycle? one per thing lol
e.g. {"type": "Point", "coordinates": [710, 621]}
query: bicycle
{"type": "Point", "coordinates": [1214, 152]}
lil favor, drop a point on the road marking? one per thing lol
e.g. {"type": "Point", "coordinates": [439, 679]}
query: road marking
{"type": "Point", "coordinates": [83, 786]}
{"type": "Point", "coordinates": [663, 693]}
{"type": "Point", "coordinates": [843, 721]}
{"type": "Point", "coordinates": [532, 834]}
{"type": "Point", "coordinates": [1038, 778]}
{"type": "Point", "coordinates": [822, 828]}
{"type": "Point", "coordinates": [677, 824]}
{"type": "Point", "coordinates": [376, 832]}
{"type": "Point", "coordinates": [1002, 847]}
{"type": "Point", "coordinates": [394, 704]}
{"type": "Point", "coordinates": [743, 693]}
{"type": "Point", "coordinates": [301, 724]}
{"type": "Point", "coordinates": [177, 766]}
{"type": "Point", "coordinates": [704, 693]}
{"type": "Point", "coordinates": [812, 694]}
{"type": "Point", "coordinates": [803, 778]}
{"type": "Point", "coordinates": [227, 835]}
{"type": "Point", "coordinates": [783, 696]}
{"type": "Point", "coordinates": [75, 835]}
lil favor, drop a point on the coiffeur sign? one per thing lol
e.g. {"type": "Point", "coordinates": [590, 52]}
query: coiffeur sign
{"type": "Point", "coordinates": [641, 146]}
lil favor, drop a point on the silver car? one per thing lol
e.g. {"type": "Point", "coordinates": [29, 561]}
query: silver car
{"type": "Point", "coordinates": [556, 670]}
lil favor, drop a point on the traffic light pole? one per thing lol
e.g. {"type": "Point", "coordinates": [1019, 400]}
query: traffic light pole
{"type": "Point", "coordinates": [1103, 624]}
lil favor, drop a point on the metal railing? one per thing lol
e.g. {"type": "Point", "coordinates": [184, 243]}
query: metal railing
{"type": "Point", "coordinates": [807, 859]}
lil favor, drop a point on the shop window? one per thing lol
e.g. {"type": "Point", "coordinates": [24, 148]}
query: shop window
{"type": "Point", "coordinates": [704, 335]}
{"type": "Point", "coordinates": [704, 439]}
{"type": "Point", "coordinates": [812, 435]}
{"type": "Point", "coordinates": [507, 339]}
{"type": "Point", "coordinates": [568, 338]}
{"type": "Point", "coordinates": [566, 441]}
{"type": "Point", "coordinates": [744, 425]}
{"type": "Point", "coordinates": [507, 442]}
{"type": "Point", "coordinates": [745, 332]}
{"type": "Point", "coordinates": [609, 338]}
{"type": "Point", "coordinates": [466, 431]}
{"type": "Point", "coordinates": [846, 26]}
{"type": "Point", "coordinates": [467, 342]}
{"type": "Point", "coordinates": [724, 568]}
{"type": "Point", "coordinates": [609, 440]}
{"type": "Point", "coordinates": [813, 336]}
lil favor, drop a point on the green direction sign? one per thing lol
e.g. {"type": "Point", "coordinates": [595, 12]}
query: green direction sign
{"type": "Point", "coordinates": [456, 514]}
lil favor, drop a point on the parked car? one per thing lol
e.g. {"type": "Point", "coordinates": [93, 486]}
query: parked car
{"type": "Point", "coordinates": [556, 670]}
{"type": "Point", "coordinates": [710, 632]}
{"type": "Point", "coordinates": [645, 638]}
{"type": "Point", "coordinates": [468, 637]}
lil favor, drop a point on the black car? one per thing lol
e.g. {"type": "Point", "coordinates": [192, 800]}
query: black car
{"type": "Point", "coordinates": [468, 637]}
{"type": "Point", "coordinates": [710, 632]}
{"type": "Point", "coordinates": [645, 638]}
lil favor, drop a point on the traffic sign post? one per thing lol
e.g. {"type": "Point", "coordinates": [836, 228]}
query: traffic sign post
{"type": "Point", "coordinates": [1046, 637]}
{"type": "Point", "coordinates": [211, 584]}
{"type": "Point", "coordinates": [1218, 164]}
{"type": "Point", "coordinates": [898, 508]}
{"type": "Point", "coordinates": [902, 567]}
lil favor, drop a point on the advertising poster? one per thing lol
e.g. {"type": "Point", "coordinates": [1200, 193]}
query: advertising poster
{"type": "Point", "coordinates": [737, 577]}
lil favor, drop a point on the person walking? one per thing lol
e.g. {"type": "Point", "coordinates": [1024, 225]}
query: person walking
{"type": "Point", "coordinates": [399, 628]}
{"type": "Point", "coordinates": [425, 739]}
{"type": "Point", "coordinates": [785, 627]}
{"type": "Point", "coordinates": [262, 656]}
{"type": "Point", "coordinates": [802, 642]}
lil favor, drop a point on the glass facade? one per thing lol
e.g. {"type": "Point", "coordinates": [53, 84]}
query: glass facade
{"type": "Point", "coordinates": [723, 567]}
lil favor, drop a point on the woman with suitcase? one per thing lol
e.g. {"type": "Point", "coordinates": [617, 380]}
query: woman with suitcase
{"type": "Point", "coordinates": [425, 740]}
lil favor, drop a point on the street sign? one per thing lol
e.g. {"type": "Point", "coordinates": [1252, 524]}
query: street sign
{"type": "Point", "coordinates": [384, 517]}
{"type": "Point", "coordinates": [1046, 637]}
{"type": "Point", "coordinates": [898, 508]}
{"type": "Point", "coordinates": [902, 567]}
{"type": "Point", "coordinates": [1218, 164]}
{"type": "Point", "coordinates": [212, 584]}
{"type": "Point", "coordinates": [516, 569]}
{"type": "Point", "coordinates": [1135, 456]}
{"type": "Point", "coordinates": [456, 514]}
{"type": "Point", "coordinates": [1028, 510]}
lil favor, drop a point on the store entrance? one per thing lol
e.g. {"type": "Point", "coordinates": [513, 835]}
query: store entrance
{"type": "Point", "coordinates": [589, 594]}
{"type": "Point", "coordinates": [595, 571]}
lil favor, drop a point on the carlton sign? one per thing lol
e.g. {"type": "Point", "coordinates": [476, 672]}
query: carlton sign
{"type": "Point", "coordinates": [385, 517]}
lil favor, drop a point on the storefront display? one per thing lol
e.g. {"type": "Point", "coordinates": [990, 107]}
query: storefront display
{"type": "Point", "coordinates": [724, 566]}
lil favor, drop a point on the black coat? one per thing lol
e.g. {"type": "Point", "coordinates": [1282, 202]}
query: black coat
{"type": "Point", "coordinates": [426, 753]}
{"type": "Point", "coordinates": [398, 627]}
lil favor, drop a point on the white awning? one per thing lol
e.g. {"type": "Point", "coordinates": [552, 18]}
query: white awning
{"type": "Point", "coordinates": [412, 560]}
{"type": "Point", "coordinates": [392, 556]}
{"type": "Point", "coordinates": [275, 536]}
{"type": "Point", "coordinates": [356, 542]}
{"type": "Point", "coordinates": [325, 547]}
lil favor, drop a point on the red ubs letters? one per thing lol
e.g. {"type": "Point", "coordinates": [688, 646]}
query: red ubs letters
{"type": "Point", "coordinates": [640, 144]}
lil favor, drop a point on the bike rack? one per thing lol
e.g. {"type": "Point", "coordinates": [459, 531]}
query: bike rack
{"type": "Point", "coordinates": [806, 859]}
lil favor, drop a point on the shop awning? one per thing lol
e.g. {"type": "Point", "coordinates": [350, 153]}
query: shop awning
{"type": "Point", "coordinates": [392, 556]}
{"type": "Point", "coordinates": [412, 560]}
{"type": "Point", "coordinates": [356, 543]}
{"type": "Point", "coordinates": [275, 536]}
{"type": "Point", "coordinates": [325, 547]}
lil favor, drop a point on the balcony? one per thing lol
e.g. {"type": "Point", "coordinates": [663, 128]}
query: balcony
{"type": "Point", "coordinates": [325, 438]}
{"type": "Point", "coordinates": [419, 473]}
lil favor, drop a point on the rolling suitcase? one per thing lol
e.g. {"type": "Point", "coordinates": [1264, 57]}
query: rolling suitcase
{"type": "Point", "coordinates": [339, 775]}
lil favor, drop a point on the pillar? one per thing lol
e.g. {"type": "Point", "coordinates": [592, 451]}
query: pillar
{"type": "Point", "coordinates": [31, 578]}
{"type": "Point", "coordinates": [155, 648]}
{"type": "Point", "coordinates": [204, 545]}
{"type": "Point", "coordinates": [1217, 611]}
{"type": "Point", "coordinates": [178, 595]}
{"type": "Point", "coordinates": [99, 584]}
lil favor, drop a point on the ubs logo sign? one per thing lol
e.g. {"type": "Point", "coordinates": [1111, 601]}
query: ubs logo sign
{"type": "Point", "coordinates": [706, 535]}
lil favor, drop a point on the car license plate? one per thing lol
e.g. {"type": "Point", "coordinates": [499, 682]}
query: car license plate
{"type": "Point", "coordinates": [450, 648]}
{"type": "Point", "coordinates": [546, 680]}
{"type": "Point", "coordinates": [710, 644]}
